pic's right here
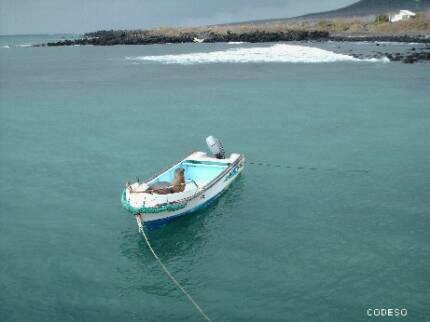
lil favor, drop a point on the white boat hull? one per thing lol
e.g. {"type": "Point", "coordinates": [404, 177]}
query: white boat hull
{"type": "Point", "coordinates": [197, 200]}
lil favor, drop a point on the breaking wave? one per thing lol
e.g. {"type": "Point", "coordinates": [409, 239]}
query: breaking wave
{"type": "Point", "coordinates": [280, 53]}
{"type": "Point", "coordinates": [16, 46]}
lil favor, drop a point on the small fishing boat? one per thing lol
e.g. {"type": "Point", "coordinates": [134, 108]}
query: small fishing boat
{"type": "Point", "coordinates": [187, 186]}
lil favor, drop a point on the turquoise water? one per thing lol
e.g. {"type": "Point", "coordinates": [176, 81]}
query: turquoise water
{"type": "Point", "coordinates": [329, 218]}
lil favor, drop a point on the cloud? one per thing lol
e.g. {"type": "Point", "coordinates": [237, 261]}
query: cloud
{"type": "Point", "coordinates": [59, 16]}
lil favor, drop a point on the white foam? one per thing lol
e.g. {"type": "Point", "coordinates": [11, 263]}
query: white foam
{"type": "Point", "coordinates": [5, 47]}
{"type": "Point", "coordinates": [236, 42]}
{"type": "Point", "coordinates": [280, 53]}
{"type": "Point", "coordinates": [23, 45]}
{"type": "Point", "coordinates": [396, 43]}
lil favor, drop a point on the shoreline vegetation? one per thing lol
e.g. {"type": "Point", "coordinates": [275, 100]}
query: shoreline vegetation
{"type": "Point", "coordinates": [369, 28]}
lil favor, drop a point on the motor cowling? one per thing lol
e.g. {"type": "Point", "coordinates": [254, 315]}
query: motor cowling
{"type": "Point", "coordinates": [215, 146]}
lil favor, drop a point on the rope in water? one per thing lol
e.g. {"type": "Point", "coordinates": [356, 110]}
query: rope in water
{"type": "Point", "coordinates": [278, 165]}
{"type": "Point", "coordinates": [174, 280]}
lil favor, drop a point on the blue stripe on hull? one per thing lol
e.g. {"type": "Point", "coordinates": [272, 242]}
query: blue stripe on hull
{"type": "Point", "coordinates": [161, 222]}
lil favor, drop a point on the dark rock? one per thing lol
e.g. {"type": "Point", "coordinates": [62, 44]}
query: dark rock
{"type": "Point", "coordinates": [380, 38]}
{"type": "Point", "coordinates": [122, 37]}
{"type": "Point", "coordinates": [409, 60]}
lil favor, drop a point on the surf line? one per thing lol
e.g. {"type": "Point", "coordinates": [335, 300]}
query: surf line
{"type": "Point", "coordinates": [174, 280]}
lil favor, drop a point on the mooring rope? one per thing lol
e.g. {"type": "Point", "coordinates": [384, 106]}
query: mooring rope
{"type": "Point", "coordinates": [174, 280]}
{"type": "Point", "coordinates": [286, 166]}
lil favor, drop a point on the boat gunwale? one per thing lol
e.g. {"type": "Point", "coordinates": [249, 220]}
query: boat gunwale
{"type": "Point", "coordinates": [223, 173]}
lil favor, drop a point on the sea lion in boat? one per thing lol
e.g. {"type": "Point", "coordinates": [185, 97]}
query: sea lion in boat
{"type": "Point", "coordinates": [178, 184]}
{"type": "Point", "coordinates": [164, 187]}
{"type": "Point", "coordinates": [160, 188]}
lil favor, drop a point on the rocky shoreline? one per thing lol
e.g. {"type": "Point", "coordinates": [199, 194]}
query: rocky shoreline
{"type": "Point", "coordinates": [110, 38]}
{"type": "Point", "coordinates": [406, 58]}
{"type": "Point", "coordinates": [422, 39]}
{"type": "Point", "coordinates": [149, 37]}
{"type": "Point", "coordinates": [412, 56]}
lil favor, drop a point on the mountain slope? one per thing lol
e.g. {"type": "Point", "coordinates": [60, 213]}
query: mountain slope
{"type": "Point", "coordinates": [371, 7]}
{"type": "Point", "coordinates": [358, 9]}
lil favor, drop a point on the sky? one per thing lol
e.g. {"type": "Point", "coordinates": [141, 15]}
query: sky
{"type": "Point", "coordinates": [79, 16]}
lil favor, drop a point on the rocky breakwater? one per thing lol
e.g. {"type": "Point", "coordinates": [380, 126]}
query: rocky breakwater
{"type": "Point", "coordinates": [410, 56]}
{"type": "Point", "coordinates": [370, 37]}
{"type": "Point", "coordinates": [147, 37]}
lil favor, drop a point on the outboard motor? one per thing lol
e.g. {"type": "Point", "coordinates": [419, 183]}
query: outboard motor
{"type": "Point", "coordinates": [215, 146]}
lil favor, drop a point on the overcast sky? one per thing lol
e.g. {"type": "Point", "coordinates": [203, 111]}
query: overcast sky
{"type": "Point", "coordinates": [77, 16]}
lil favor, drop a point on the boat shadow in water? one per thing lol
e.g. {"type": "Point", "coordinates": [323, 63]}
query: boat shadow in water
{"type": "Point", "coordinates": [181, 240]}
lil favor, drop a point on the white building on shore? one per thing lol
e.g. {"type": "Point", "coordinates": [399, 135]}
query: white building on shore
{"type": "Point", "coordinates": [402, 15]}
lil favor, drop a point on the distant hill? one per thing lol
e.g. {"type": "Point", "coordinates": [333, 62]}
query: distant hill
{"type": "Point", "coordinates": [358, 9]}
{"type": "Point", "coordinates": [371, 7]}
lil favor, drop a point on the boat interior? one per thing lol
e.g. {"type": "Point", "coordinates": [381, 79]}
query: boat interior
{"type": "Point", "coordinates": [197, 173]}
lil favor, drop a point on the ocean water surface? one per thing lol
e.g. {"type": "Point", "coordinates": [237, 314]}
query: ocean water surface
{"type": "Point", "coordinates": [330, 217]}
